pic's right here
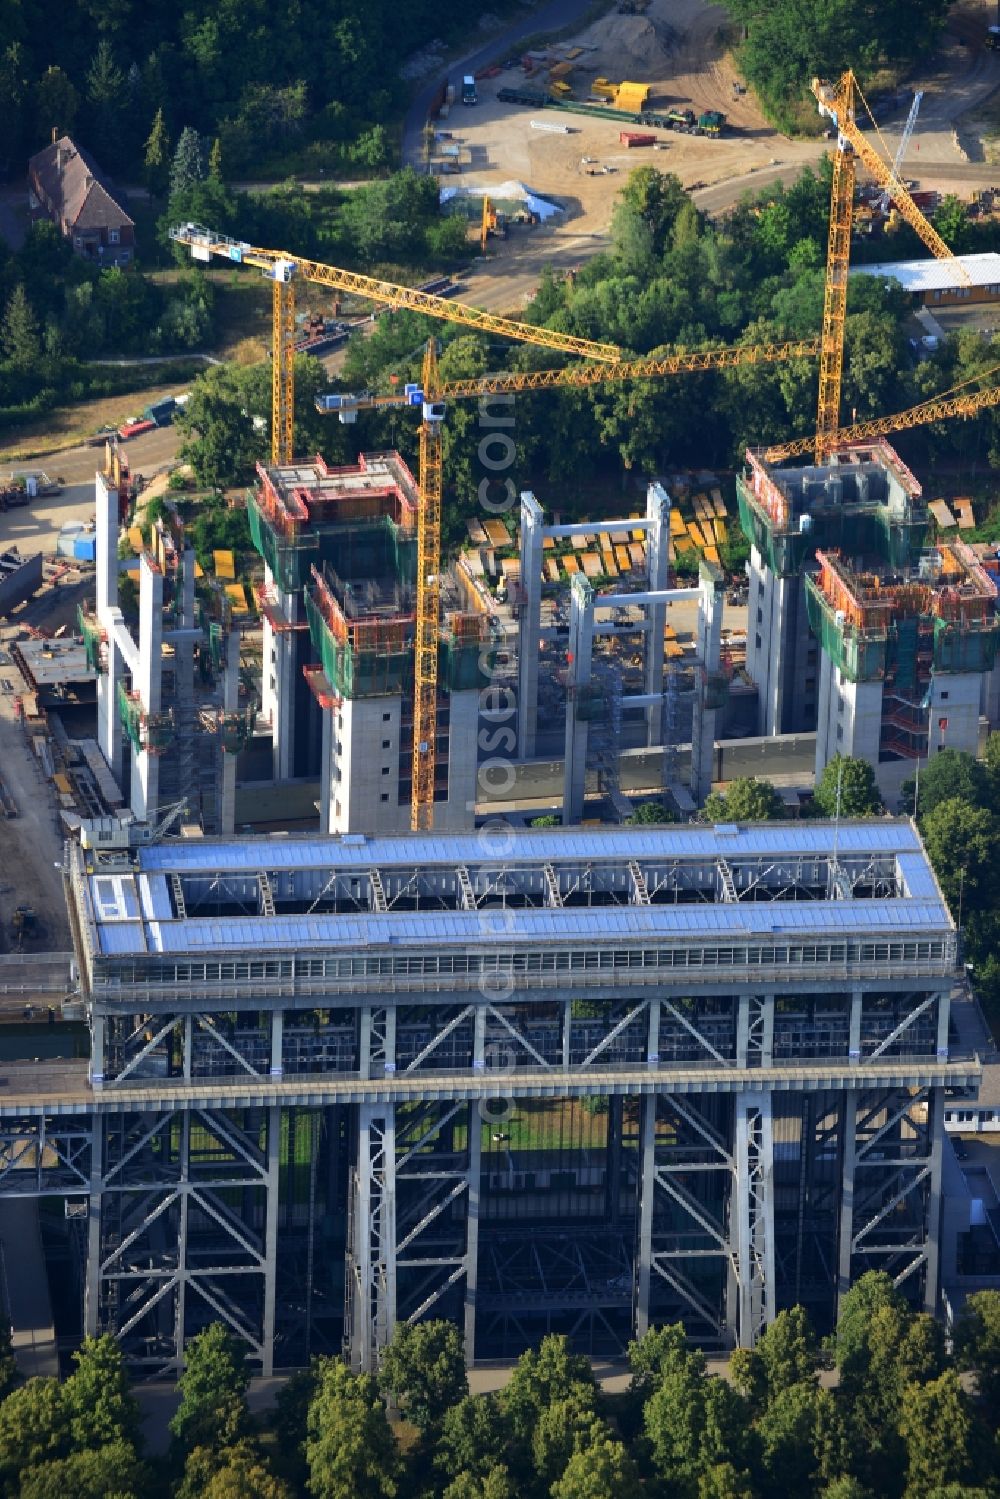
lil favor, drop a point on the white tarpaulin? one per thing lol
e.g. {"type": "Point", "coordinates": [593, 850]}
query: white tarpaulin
{"type": "Point", "coordinates": [505, 192]}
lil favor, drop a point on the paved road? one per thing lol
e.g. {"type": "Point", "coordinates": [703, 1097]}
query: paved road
{"type": "Point", "coordinates": [551, 17]}
{"type": "Point", "coordinates": [146, 454]}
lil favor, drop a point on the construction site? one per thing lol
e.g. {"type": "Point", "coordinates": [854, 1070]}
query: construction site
{"type": "Point", "coordinates": [582, 1079]}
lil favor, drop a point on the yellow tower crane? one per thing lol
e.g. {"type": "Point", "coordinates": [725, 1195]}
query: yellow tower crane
{"type": "Point", "coordinates": [838, 102]}
{"type": "Point", "coordinates": [958, 401]}
{"type": "Point", "coordinates": [283, 269]}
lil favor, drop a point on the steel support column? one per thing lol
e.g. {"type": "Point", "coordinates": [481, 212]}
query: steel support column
{"type": "Point", "coordinates": [848, 1160]}
{"type": "Point", "coordinates": [754, 1215]}
{"type": "Point", "coordinates": [472, 1231]}
{"type": "Point", "coordinates": [92, 1284]}
{"type": "Point", "coordinates": [271, 1237]}
{"type": "Point", "coordinates": [373, 1258]}
{"type": "Point", "coordinates": [644, 1238]}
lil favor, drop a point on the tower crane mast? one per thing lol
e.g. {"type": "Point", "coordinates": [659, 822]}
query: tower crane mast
{"type": "Point", "coordinates": [838, 101]}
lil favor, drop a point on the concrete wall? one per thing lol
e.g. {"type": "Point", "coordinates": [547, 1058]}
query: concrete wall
{"type": "Point", "coordinates": [849, 719]}
{"type": "Point", "coordinates": [20, 583]}
{"type": "Point", "coordinates": [458, 813]}
{"type": "Point", "coordinates": [364, 767]}
{"type": "Point", "coordinates": [782, 656]}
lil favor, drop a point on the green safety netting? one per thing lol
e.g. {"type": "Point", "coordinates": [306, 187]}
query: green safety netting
{"type": "Point", "coordinates": [358, 673]}
{"type": "Point", "coordinates": [872, 531]}
{"type": "Point", "coordinates": [93, 637]}
{"type": "Point", "coordinates": [288, 559]}
{"type": "Point", "coordinates": [906, 651]}
{"type": "Point", "coordinates": [151, 732]}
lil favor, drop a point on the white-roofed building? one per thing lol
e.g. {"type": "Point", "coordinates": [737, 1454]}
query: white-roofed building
{"type": "Point", "coordinates": [585, 1080]}
{"type": "Point", "coordinates": [939, 282]}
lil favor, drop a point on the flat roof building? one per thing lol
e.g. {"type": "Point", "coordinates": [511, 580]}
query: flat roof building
{"type": "Point", "coordinates": [963, 278]}
{"type": "Point", "coordinates": [577, 1081]}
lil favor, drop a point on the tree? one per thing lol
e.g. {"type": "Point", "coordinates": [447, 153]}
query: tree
{"type": "Point", "coordinates": [495, 1484]}
{"type": "Point", "coordinates": [19, 334]}
{"type": "Point", "coordinates": [103, 1410]}
{"type": "Point", "coordinates": [868, 1295]}
{"type": "Point", "coordinates": [34, 1428]}
{"type": "Point", "coordinates": [951, 773]}
{"type": "Point", "coordinates": [350, 1448]}
{"type": "Point", "coordinates": [238, 1473]}
{"type": "Point", "coordinates": [643, 218]}
{"type": "Point", "coordinates": [227, 418]}
{"type": "Point", "coordinates": [8, 1368]}
{"type": "Point", "coordinates": [803, 1441]}
{"type": "Point", "coordinates": [785, 1355]}
{"type": "Point", "coordinates": [977, 1347]}
{"type": "Point", "coordinates": [936, 1426]}
{"type": "Point", "coordinates": [991, 761]}
{"type": "Point", "coordinates": [110, 1472]}
{"type": "Point", "coordinates": [600, 1470]}
{"type": "Point", "coordinates": [105, 88]}
{"type": "Point", "coordinates": [539, 1379]}
{"type": "Point", "coordinates": [660, 1351]}
{"type": "Point", "coordinates": [563, 1428]}
{"type": "Point", "coordinates": [548, 821]}
{"type": "Point", "coordinates": [156, 155]}
{"type": "Point", "coordinates": [674, 1419]}
{"type": "Point", "coordinates": [215, 161]}
{"type": "Point", "coordinates": [212, 1387]}
{"type": "Point", "coordinates": [423, 1369]}
{"type": "Point", "coordinates": [57, 104]}
{"type": "Point", "coordinates": [952, 223]}
{"type": "Point", "coordinates": [723, 1481]}
{"type": "Point", "coordinates": [747, 799]}
{"type": "Point", "coordinates": [188, 165]}
{"type": "Point", "coordinates": [650, 812]}
{"type": "Point", "coordinates": [473, 1437]}
{"type": "Point", "coordinates": [962, 843]}
{"type": "Point", "coordinates": [847, 787]}
{"type": "Point", "coordinates": [13, 106]}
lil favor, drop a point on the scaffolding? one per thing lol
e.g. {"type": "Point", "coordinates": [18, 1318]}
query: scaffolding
{"type": "Point", "coordinates": [461, 666]}
{"type": "Point", "coordinates": [899, 629]}
{"type": "Point", "coordinates": [95, 639]}
{"type": "Point", "coordinates": [149, 733]}
{"type": "Point", "coordinates": [320, 688]}
{"type": "Point", "coordinates": [367, 657]}
{"type": "Point", "coordinates": [233, 730]}
{"type": "Point", "coordinates": [288, 550]}
{"type": "Point", "coordinates": [786, 534]}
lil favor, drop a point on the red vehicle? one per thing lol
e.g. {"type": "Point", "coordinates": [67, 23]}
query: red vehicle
{"type": "Point", "coordinates": [634, 138]}
{"type": "Point", "coordinates": [135, 429]}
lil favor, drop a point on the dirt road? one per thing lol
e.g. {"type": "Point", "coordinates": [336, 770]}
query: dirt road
{"type": "Point", "coordinates": [676, 48]}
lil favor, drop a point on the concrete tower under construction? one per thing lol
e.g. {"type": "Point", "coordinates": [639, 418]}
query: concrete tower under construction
{"type": "Point", "coordinates": [338, 606]}
{"type": "Point", "coordinates": [864, 500]}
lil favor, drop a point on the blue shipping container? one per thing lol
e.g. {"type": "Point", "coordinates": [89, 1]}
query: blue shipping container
{"type": "Point", "coordinates": [85, 548]}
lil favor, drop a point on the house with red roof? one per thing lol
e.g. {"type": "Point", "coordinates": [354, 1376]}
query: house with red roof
{"type": "Point", "coordinates": [66, 186]}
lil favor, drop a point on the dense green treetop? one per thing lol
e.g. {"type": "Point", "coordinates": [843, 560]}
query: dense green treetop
{"type": "Point", "coordinates": [847, 788]}
{"type": "Point", "coordinates": [747, 799]}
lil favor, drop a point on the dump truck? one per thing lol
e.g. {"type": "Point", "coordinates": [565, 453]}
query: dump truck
{"type": "Point", "coordinates": [711, 122]}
